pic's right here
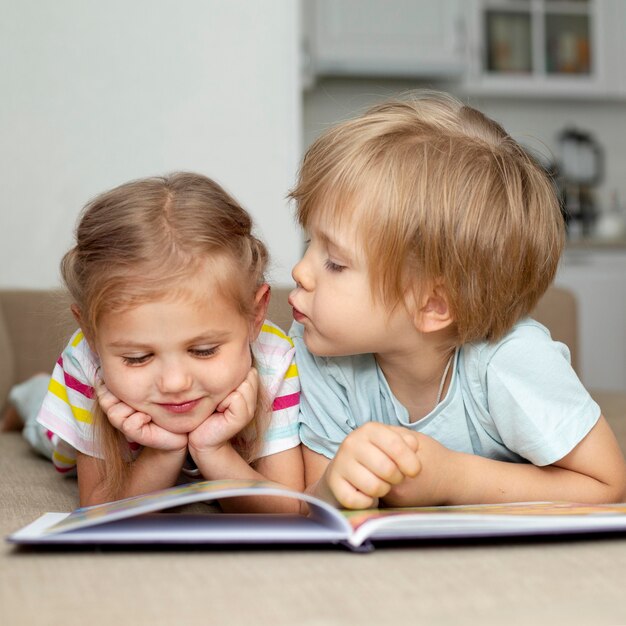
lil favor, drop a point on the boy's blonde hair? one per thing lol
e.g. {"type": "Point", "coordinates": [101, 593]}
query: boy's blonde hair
{"type": "Point", "coordinates": [139, 242]}
{"type": "Point", "coordinates": [440, 195]}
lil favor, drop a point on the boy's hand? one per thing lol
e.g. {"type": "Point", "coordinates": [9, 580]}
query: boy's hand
{"type": "Point", "coordinates": [136, 426]}
{"type": "Point", "coordinates": [231, 416]}
{"type": "Point", "coordinates": [370, 461]}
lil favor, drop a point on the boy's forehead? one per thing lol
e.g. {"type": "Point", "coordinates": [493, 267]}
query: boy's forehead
{"type": "Point", "coordinates": [340, 231]}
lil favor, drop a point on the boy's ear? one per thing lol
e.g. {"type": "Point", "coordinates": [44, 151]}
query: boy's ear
{"type": "Point", "coordinates": [433, 312]}
{"type": "Point", "coordinates": [261, 302]}
{"type": "Point", "coordinates": [77, 316]}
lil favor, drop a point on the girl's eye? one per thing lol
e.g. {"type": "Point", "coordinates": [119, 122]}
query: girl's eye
{"type": "Point", "coordinates": [203, 352]}
{"type": "Point", "coordinates": [136, 360]}
{"type": "Point", "coordinates": [333, 267]}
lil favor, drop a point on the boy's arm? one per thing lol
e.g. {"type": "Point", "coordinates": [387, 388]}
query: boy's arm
{"type": "Point", "coordinates": [370, 460]}
{"type": "Point", "coordinates": [594, 471]}
{"type": "Point", "coordinates": [315, 466]}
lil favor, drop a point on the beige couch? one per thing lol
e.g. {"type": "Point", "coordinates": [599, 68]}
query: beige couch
{"type": "Point", "coordinates": [571, 581]}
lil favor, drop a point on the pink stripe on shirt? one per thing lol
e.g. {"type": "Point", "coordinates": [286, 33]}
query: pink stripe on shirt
{"type": "Point", "coordinates": [284, 402]}
{"type": "Point", "coordinates": [75, 384]}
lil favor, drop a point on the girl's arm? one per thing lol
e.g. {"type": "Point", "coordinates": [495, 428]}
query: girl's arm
{"type": "Point", "coordinates": [153, 469]}
{"type": "Point", "coordinates": [283, 467]}
{"type": "Point", "coordinates": [211, 449]}
{"type": "Point", "coordinates": [593, 472]}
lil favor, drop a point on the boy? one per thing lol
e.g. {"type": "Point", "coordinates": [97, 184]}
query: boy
{"type": "Point", "coordinates": [432, 237]}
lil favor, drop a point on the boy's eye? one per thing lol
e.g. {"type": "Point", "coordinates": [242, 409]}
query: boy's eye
{"type": "Point", "coordinates": [203, 352]}
{"type": "Point", "coordinates": [333, 267]}
{"type": "Point", "coordinates": [136, 360]}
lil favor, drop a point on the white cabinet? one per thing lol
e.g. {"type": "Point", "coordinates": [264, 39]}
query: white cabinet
{"type": "Point", "coordinates": [514, 48]}
{"type": "Point", "coordinates": [563, 48]}
{"type": "Point", "coordinates": [615, 17]}
{"type": "Point", "coordinates": [409, 38]}
{"type": "Point", "coordinates": [598, 279]}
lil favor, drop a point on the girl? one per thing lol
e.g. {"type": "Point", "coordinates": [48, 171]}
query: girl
{"type": "Point", "coordinates": [432, 237]}
{"type": "Point", "coordinates": [168, 286]}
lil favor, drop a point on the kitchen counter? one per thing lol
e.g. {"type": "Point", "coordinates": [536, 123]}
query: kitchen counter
{"type": "Point", "coordinates": [596, 243]}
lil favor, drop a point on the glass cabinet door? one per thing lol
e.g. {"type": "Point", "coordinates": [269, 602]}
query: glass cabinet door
{"type": "Point", "coordinates": [567, 42]}
{"type": "Point", "coordinates": [537, 37]}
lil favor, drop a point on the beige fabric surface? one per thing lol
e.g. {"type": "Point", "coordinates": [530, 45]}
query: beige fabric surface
{"type": "Point", "coordinates": [556, 582]}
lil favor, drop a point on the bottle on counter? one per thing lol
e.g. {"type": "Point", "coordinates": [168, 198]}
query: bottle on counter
{"type": "Point", "coordinates": [610, 224]}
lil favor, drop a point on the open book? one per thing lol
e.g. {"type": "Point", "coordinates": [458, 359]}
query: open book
{"type": "Point", "coordinates": [140, 520]}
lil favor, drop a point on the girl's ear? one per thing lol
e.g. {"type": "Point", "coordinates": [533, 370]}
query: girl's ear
{"type": "Point", "coordinates": [433, 313]}
{"type": "Point", "coordinates": [261, 302]}
{"type": "Point", "coordinates": [77, 316]}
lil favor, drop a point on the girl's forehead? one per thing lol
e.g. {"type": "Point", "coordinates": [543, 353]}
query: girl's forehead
{"type": "Point", "coordinates": [202, 285]}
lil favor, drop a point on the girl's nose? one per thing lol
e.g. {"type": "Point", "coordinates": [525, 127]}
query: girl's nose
{"type": "Point", "coordinates": [174, 378]}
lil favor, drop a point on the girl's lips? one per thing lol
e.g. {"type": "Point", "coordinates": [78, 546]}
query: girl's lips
{"type": "Point", "coordinates": [182, 407]}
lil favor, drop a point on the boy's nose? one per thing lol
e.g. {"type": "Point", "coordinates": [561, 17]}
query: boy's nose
{"type": "Point", "coordinates": [302, 274]}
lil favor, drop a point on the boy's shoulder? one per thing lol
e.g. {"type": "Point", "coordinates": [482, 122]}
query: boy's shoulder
{"type": "Point", "coordinates": [528, 339]}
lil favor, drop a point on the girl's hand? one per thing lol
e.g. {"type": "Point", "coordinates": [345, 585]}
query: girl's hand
{"type": "Point", "coordinates": [231, 416]}
{"type": "Point", "coordinates": [136, 426]}
{"type": "Point", "coordinates": [371, 460]}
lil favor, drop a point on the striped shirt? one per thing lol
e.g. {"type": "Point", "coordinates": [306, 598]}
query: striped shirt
{"type": "Point", "coordinates": [66, 413]}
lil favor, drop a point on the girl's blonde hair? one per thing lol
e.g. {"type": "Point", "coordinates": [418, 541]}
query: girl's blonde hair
{"type": "Point", "coordinates": [440, 195]}
{"type": "Point", "coordinates": [138, 242]}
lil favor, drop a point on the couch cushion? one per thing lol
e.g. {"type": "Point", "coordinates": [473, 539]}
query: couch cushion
{"type": "Point", "coordinates": [7, 360]}
{"type": "Point", "coordinates": [39, 324]}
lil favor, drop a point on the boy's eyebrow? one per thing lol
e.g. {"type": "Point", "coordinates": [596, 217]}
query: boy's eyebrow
{"type": "Point", "coordinates": [329, 241]}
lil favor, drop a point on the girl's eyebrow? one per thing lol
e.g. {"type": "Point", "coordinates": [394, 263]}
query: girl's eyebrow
{"type": "Point", "coordinates": [208, 337]}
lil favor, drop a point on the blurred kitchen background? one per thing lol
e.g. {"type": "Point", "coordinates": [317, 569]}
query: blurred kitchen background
{"type": "Point", "coordinates": [94, 94]}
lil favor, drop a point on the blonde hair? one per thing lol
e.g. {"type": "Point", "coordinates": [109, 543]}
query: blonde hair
{"type": "Point", "coordinates": [138, 242]}
{"type": "Point", "coordinates": [442, 195]}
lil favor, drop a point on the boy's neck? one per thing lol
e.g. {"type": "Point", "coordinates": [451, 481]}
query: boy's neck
{"type": "Point", "coordinates": [419, 378]}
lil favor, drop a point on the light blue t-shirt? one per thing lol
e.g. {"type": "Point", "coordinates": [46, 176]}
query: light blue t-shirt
{"type": "Point", "coordinates": [517, 399]}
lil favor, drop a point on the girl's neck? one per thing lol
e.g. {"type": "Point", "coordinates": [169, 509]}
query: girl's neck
{"type": "Point", "coordinates": [419, 378]}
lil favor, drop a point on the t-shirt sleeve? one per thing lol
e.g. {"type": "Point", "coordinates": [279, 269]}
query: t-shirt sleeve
{"type": "Point", "coordinates": [275, 359]}
{"type": "Point", "coordinates": [66, 411]}
{"type": "Point", "coordinates": [538, 406]}
{"type": "Point", "coordinates": [325, 412]}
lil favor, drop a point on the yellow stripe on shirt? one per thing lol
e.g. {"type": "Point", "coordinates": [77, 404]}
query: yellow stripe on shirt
{"type": "Point", "coordinates": [274, 330]}
{"type": "Point", "coordinates": [63, 459]}
{"type": "Point", "coordinates": [56, 388]}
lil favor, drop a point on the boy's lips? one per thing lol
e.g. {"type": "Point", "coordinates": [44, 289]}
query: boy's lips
{"type": "Point", "coordinates": [180, 407]}
{"type": "Point", "coordinates": [298, 315]}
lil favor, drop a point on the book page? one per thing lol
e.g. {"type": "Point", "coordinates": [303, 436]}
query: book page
{"type": "Point", "coordinates": [485, 520]}
{"type": "Point", "coordinates": [130, 520]}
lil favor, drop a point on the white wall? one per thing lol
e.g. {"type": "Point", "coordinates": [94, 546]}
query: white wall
{"type": "Point", "coordinates": [97, 93]}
